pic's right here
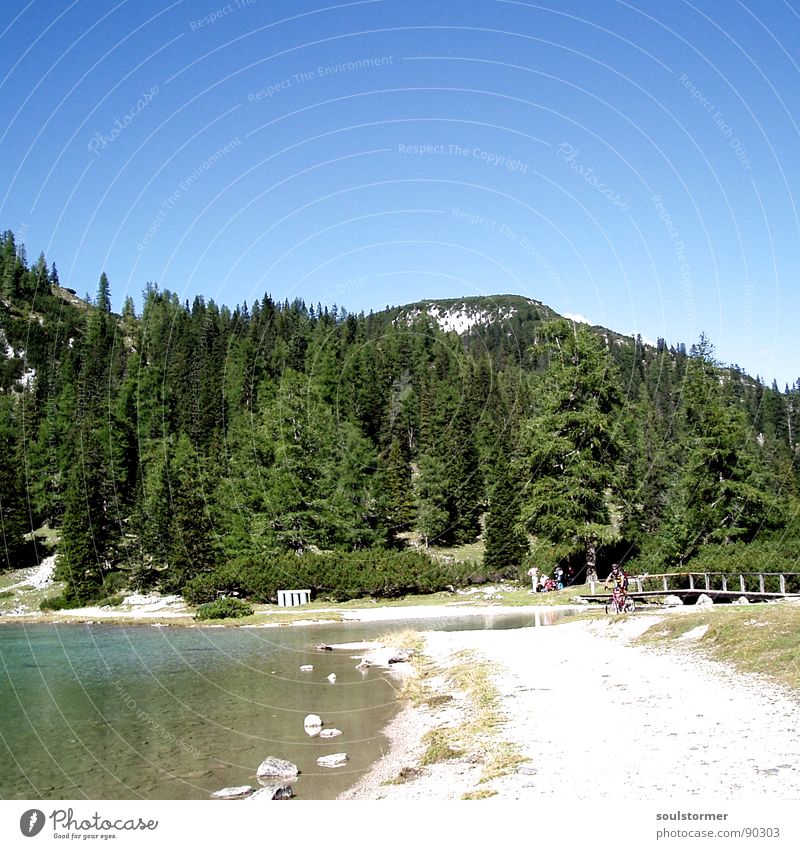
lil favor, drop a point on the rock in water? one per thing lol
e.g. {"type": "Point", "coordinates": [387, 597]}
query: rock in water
{"type": "Point", "coordinates": [329, 732]}
{"type": "Point", "coordinates": [312, 721]}
{"type": "Point", "coordinates": [273, 791]}
{"type": "Point", "coordinates": [306, 667]}
{"type": "Point", "coordinates": [277, 767]}
{"type": "Point", "coordinates": [233, 792]}
{"type": "Point", "coordinates": [324, 647]}
{"type": "Point", "coordinates": [339, 759]}
{"type": "Point", "coordinates": [332, 677]}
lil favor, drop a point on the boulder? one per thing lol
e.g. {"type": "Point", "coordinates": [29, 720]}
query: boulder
{"type": "Point", "coordinates": [312, 721]}
{"type": "Point", "coordinates": [277, 767]}
{"type": "Point", "coordinates": [273, 791]}
{"type": "Point", "coordinates": [704, 600]}
{"type": "Point", "coordinates": [673, 601]}
{"type": "Point", "coordinates": [329, 732]}
{"type": "Point", "coordinates": [743, 599]}
{"type": "Point", "coordinates": [332, 677]}
{"type": "Point", "coordinates": [306, 667]}
{"type": "Point", "coordinates": [400, 656]}
{"type": "Point", "coordinates": [339, 759]}
{"type": "Point", "coordinates": [233, 792]}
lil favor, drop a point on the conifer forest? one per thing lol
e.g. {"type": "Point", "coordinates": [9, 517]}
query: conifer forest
{"type": "Point", "coordinates": [214, 450]}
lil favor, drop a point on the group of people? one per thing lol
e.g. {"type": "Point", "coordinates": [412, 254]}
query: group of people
{"type": "Point", "coordinates": [541, 583]}
{"type": "Point", "coordinates": [617, 580]}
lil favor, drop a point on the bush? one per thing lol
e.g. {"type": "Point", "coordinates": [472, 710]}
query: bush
{"type": "Point", "coordinates": [114, 582]}
{"type": "Point", "coordinates": [338, 575]}
{"type": "Point", "coordinates": [111, 600]}
{"type": "Point", "coordinates": [58, 602]}
{"type": "Point", "coordinates": [224, 608]}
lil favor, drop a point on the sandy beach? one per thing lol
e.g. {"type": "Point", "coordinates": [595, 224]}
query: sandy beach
{"type": "Point", "coordinates": [597, 715]}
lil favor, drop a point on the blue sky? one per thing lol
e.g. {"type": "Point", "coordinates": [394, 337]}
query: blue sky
{"type": "Point", "coordinates": [635, 163]}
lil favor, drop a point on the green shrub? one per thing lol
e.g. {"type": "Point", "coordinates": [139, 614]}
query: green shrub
{"type": "Point", "coordinates": [224, 608]}
{"type": "Point", "coordinates": [58, 602]}
{"type": "Point", "coordinates": [114, 582]}
{"type": "Point", "coordinates": [111, 600]}
{"type": "Point", "coordinates": [6, 594]}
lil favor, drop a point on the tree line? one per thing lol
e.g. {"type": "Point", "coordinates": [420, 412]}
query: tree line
{"type": "Point", "coordinates": [206, 450]}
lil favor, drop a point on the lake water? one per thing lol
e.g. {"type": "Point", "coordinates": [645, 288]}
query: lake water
{"type": "Point", "coordinates": [112, 712]}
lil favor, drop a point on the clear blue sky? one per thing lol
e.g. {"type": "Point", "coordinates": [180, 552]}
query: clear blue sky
{"type": "Point", "coordinates": [636, 163]}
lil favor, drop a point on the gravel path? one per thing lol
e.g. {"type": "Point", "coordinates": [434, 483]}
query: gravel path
{"type": "Point", "coordinates": [598, 716]}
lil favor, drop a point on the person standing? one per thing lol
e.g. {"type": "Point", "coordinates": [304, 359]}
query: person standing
{"type": "Point", "coordinates": [533, 572]}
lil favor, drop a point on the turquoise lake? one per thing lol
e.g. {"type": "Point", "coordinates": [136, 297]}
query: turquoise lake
{"type": "Point", "coordinates": [119, 712]}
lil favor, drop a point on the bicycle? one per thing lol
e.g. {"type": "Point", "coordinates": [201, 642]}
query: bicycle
{"type": "Point", "coordinates": [620, 603]}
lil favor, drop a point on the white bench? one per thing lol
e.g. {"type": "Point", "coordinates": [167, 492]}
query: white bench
{"type": "Point", "coordinates": [293, 598]}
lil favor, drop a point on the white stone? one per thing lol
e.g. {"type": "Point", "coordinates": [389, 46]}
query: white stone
{"type": "Point", "coordinates": [233, 792]}
{"type": "Point", "coordinates": [332, 677]}
{"type": "Point", "coordinates": [306, 667]}
{"type": "Point", "coordinates": [329, 732]}
{"type": "Point", "coordinates": [278, 767]}
{"type": "Point", "coordinates": [273, 791]}
{"type": "Point", "coordinates": [704, 600]}
{"type": "Point", "coordinates": [312, 720]}
{"type": "Point", "coordinates": [339, 759]}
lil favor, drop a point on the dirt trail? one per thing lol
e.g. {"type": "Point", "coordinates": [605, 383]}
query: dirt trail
{"type": "Point", "coordinates": [601, 717]}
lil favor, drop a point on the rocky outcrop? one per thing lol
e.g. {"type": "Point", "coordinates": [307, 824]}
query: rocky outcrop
{"type": "Point", "coordinates": [277, 767]}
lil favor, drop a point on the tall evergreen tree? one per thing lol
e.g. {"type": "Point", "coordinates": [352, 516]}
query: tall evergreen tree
{"type": "Point", "coordinates": [571, 449]}
{"type": "Point", "coordinates": [506, 545]}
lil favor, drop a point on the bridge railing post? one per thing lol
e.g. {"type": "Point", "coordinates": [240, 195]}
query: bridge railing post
{"type": "Point", "coordinates": [782, 579]}
{"type": "Point", "coordinates": [761, 583]}
{"type": "Point", "coordinates": [708, 580]}
{"type": "Point", "coordinates": [666, 584]}
{"type": "Point", "coordinates": [724, 583]}
{"type": "Point", "coordinates": [691, 581]}
{"type": "Point", "coordinates": [741, 583]}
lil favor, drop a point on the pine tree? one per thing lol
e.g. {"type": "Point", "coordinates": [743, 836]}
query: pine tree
{"type": "Point", "coordinates": [14, 522]}
{"type": "Point", "coordinates": [506, 545]}
{"type": "Point", "coordinates": [722, 492]}
{"type": "Point", "coordinates": [571, 449]}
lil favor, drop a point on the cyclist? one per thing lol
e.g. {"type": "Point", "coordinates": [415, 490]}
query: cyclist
{"type": "Point", "coordinates": [619, 579]}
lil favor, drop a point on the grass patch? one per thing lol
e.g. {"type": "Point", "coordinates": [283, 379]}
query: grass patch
{"type": "Point", "coordinates": [6, 594]}
{"type": "Point", "coordinates": [479, 794]}
{"type": "Point", "coordinates": [440, 746]}
{"type": "Point", "coordinates": [406, 774]}
{"type": "Point", "coordinates": [760, 638]}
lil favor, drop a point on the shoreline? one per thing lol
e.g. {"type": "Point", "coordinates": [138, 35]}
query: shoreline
{"type": "Point", "coordinates": [171, 617]}
{"type": "Point", "coordinates": [566, 694]}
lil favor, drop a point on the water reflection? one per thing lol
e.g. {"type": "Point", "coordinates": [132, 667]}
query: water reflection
{"type": "Point", "coordinates": [113, 712]}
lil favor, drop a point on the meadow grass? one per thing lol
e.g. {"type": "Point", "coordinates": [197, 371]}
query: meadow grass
{"type": "Point", "coordinates": [759, 638]}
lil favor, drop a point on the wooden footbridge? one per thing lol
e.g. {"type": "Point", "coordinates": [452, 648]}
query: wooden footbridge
{"type": "Point", "coordinates": [718, 586]}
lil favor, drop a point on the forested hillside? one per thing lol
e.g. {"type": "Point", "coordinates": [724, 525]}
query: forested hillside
{"type": "Point", "coordinates": [210, 450]}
